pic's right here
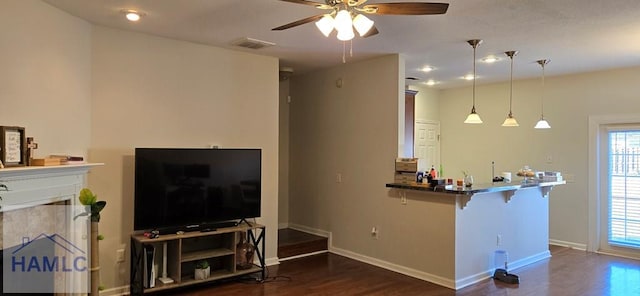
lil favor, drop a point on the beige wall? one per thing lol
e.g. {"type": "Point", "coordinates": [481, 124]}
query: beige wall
{"type": "Point", "coordinates": [427, 103]}
{"type": "Point", "coordinates": [283, 157]}
{"type": "Point", "coordinates": [569, 102]}
{"type": "Point", "coordinates": [155, 92]}
{"type": "Point", "coordinates": [45, 77]}
{"type": "Point", "coordinates": [353, 130]}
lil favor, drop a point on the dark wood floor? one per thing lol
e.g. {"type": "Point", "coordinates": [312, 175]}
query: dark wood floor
{"type": "Point", "coordinates": [569, 272]}
{"type": "Point", "coordinates": [293, 242]}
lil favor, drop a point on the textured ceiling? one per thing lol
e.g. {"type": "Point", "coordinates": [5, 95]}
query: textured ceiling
{"type": "Point", "coordinates": [577, 35]}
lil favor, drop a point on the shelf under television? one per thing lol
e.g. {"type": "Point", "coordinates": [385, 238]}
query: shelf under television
{"type": "Point", "coordinates": [214, 276]}
{"type": "Point", "coordinates": [197, 255]}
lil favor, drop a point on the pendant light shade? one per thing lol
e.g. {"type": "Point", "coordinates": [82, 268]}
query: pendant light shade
{"type": "Point", "coordinates": [542, 123]}
{"type": "Point", "coordinates": [473, 117]}
{"type": "Point", "coordinates": [510, 121]}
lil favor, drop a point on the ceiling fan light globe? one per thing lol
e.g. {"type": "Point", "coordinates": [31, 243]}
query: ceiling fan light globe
{"type": "Point", "coordinates": [343, 21]}
{"type": "Point", "coordinates": [346, 35]}
{"type": "Point", "coordinates": [325, 25]}
{"type": "Point", "coordinates": [362, 24]}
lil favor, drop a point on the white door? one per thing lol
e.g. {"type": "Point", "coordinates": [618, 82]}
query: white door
{"type": "Point", "coordinates": [620, 216]}
{"type": "Point", "coordinates": [427, 144]}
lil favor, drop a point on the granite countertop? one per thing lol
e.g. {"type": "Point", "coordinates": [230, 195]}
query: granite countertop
{"type": "Point", "coordinates": [476, 188]}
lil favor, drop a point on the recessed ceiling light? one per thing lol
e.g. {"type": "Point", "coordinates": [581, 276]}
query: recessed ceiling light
{"type": "Point", "coordinates": [427, 69]}
{"type": "Point", "coordinates": [132, 15]}
{"type": "Point", "coordinates": [468, 77]}
{"type": "Point", "coordinates": [490, 59]}
{"type": "Point", "coordinates": [431, 82]}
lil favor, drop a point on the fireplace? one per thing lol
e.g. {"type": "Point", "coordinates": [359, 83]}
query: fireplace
{"type": "Point", "coordinates": [34, 233]}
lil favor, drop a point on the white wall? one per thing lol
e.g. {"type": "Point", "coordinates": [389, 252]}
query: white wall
{"type": "Point", "coordinates": [569, 101]}
{"type": "Point", "coordinates": [45, 76]}
{"type": "Point", "coordinates": [155, 92]}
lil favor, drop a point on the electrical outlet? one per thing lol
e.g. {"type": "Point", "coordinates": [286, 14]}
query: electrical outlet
{"type": "Point", "coordinates": [374, 232]}
{"type": "Point", "coordinates": [339, 178]}
{"type": "Point", "coordinates": [549, 159]}
{"type": "Point", "coordinates": [499, 240]}
{"type": "Point", "coordinates": [120, 255]}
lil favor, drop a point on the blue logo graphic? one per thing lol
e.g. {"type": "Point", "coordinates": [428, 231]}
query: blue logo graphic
{"type": "Point", "coordinates": [38, 255]}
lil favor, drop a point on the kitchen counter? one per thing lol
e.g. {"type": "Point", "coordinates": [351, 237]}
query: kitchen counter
{"type": "Point", "coordinates": [466, 225]}
{"type": "Point", "coordinates": [476, 188]}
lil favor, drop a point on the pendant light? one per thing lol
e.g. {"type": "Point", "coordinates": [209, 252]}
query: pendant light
{"type": "Point", "coordinates": [511, 121]}
{"type": "Point", "coordinates": [542, 123]}
{"type": "Point", "coordinates": [473, 117]}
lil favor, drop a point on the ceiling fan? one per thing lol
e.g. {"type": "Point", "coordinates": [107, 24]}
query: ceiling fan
{"type": "Point", "coordinates": [346, 15]}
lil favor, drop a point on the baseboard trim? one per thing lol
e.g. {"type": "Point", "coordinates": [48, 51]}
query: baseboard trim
{"type": "Point", "coordinates": [283, 225]}
{"type": "Point", "coordinates": [271, 261]}
{"type": "Point", "coordinates": [314, 231]}
{"type": "Point", "coordinates": [421, 275]}
{"type": "Point", "coordinates": [577, 246]}
{"type": "Point", "coordinates": [309, 230]}
{"type": "Point", "coordinates": [438, 280]}
{"type": "Point", "coordinates": [531, 259]}
{"type": "Point", "coordinates": [618, 254]}
{"type": "Point", "coordinates": [303, 255]}
{"type": "Point", "coordinates": [473, 279]}
{"type": "Point", "coordinates": [122, 290]}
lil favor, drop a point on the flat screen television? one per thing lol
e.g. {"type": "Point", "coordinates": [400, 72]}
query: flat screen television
{"type": "Point", "coordinates": [182, 189]}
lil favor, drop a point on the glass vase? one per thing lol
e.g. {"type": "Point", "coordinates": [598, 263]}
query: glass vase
{"type": "Point", "coordinates": [244, 253]}
{"type": "Point", "coordinates": [468, 180]}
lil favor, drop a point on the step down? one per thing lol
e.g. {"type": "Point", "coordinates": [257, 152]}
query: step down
{"type": "Point", "coordinates": [294, 243]}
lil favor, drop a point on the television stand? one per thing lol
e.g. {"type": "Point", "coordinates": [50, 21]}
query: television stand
{"type": "Point", "coordinates": [217, 247]}
{"type": "Point", "coordinates": [245, 221]}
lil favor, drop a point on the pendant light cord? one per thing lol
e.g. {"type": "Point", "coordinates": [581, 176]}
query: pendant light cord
{"type": "Point", "coordinates": [542, 99]}
{"type": "Point", "coordinates": [474, 79]}
{"type": "Point", "coordinates": [511, 88]}
{"type": "Point", "coordinates": [344, 50]}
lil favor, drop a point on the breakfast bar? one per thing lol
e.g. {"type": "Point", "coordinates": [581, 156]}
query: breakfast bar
{"type": "Point", "coordinates": [474, 222]}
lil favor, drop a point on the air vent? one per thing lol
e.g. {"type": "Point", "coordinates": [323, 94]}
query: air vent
{"type": "Point", "coordinates": [251, 43]}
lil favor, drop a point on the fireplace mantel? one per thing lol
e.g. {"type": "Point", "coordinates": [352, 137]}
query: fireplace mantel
{"type": "Point", "coordinates": [26, 189]}
{"type": "Point", "coordinates": [32, 186]}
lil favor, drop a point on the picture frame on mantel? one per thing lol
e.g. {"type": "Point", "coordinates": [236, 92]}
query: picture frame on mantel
{"type": "Point", "coordinates": [13, 146]}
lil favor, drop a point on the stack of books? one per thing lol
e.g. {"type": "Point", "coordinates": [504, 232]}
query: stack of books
{"type": "Point", "coordinates": [68, 159]}
{"type": "Point", "coordinates": [57, 159]}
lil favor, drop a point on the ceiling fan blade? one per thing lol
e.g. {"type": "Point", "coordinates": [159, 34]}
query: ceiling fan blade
{"type": "Point", "coordinates": [299, 22]}
{"type": "Point", "coordinates": [305, 2]}
{"type": "Point", "coordinates": [407, 8]}
{"type": "Point", "coordinates": [373, 31]}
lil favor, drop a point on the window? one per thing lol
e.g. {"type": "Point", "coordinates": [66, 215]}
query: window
{"type": "Point", "coordinates": [624, 188]}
